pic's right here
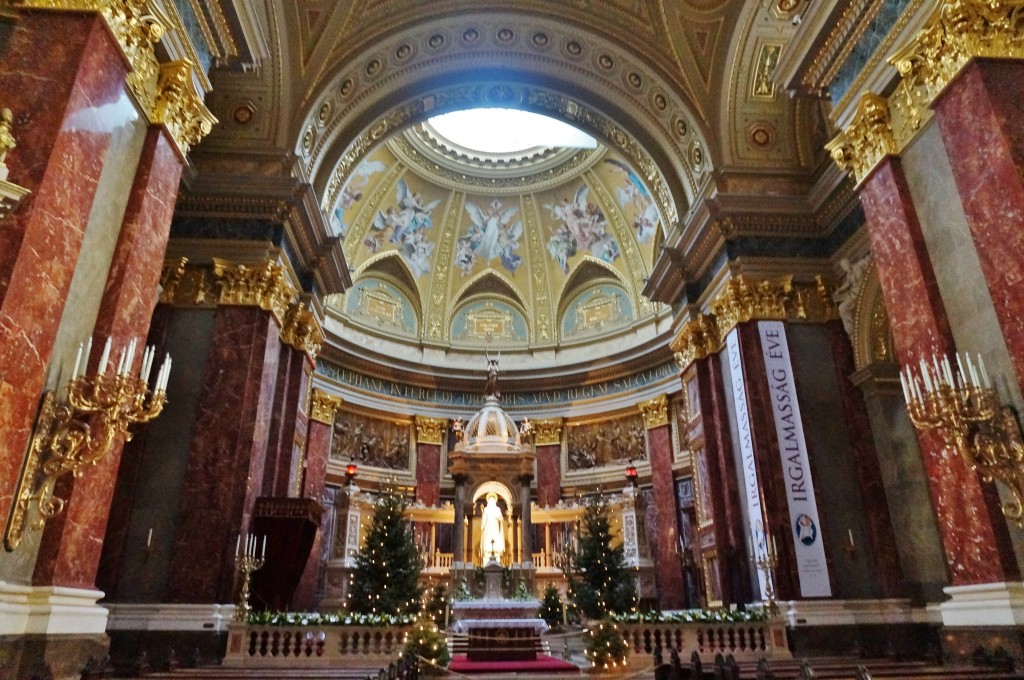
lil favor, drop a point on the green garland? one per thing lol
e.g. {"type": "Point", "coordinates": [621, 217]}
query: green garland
{"type": "Point", "coordinates": [693, 616]}
{"type": "Point", "coordinates": [266, 618]}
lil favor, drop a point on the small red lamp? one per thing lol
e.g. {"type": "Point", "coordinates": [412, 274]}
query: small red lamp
{"type": "Point", "coordinates": [350, 472]}
{"type": "Point", "coordinates": [631, 474]}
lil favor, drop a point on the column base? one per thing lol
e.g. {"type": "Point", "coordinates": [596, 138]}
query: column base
{"type": "Point", "coordinates": [50, 610]}
{"type": "Point", "coordinates": [986, 604]}
{"type": "Point", "coordinates": [61, 657]}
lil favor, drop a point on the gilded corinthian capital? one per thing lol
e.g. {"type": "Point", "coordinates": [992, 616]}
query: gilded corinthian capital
{"type": "Point", "coordinates": [324, 406]}
{"type": "Point", "coordinates": [867, 139]}
{"type": "Point", "coordinates": [302, 330]}
{"type": "Point", "coordinates": [697, 339]}
{"type": "Point", "coordinates": [263, 285]}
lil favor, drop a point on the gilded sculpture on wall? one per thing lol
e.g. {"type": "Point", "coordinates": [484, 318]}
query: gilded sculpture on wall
{"type": "Point", "coordinates": [371, 442]}
{"type": "Point", "coordinates": [610, 442]}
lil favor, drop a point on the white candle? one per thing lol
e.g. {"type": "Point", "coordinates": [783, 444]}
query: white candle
{"type": "Point", "coordinates": [131, 357]}
{"type": "Point", "coordinates": [147, 364]}
{"type": "Point", "coordinates": [104, 357]}
{"type": "Point", "coordinates": [948, 370]}
{"type": "Point", "coordinates": [903, 383]}
{"type": "Point", "coordinates": [238, 544]}
{"type": "Point", "coordinates": [974, 373]}
{"type": "Point", "coordinates": [960, 368]}
{"type": "Point", "coordinates": [120, 363]}
{"type": "Point", "coordinates": [849, 533]}
{"type": "Point", "coordinates": [78, 360]}
{"type": "Point", "coordinates": [924, 376]}
{"type": "Point", "coordinates": [775, 548]}
{"type": "Point", "coordinates": [149, 538]}
{"type": "Point", "coordinates": [264, 551]}
{"type": "Point", "coordinates": [984, 374]}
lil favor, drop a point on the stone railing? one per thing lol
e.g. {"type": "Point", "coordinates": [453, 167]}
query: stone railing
{"type": "Point", "coordinates": [437, 560]}
{"type": "Point", "coordinates": [747, 641]}
{"type": "Point", "coordinates": [256, 646]}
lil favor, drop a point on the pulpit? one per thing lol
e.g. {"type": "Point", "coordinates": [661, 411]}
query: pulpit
{"type": "Point", "coordinates": [290, 525]}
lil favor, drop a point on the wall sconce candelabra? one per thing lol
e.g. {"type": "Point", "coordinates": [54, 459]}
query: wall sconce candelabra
{"type": "Point", "coordinates": [965, 409]}
{"type": "Point", "coordinates": [74, 434]}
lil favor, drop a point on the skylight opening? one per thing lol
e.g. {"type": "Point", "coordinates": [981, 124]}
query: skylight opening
{"type": "Point", "coordinates": [508, 131]}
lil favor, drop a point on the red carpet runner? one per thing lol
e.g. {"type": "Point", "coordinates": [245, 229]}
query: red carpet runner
{"type": "Point", "coordinates": [542, 664]}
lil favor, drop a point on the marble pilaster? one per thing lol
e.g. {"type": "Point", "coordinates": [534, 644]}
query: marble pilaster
{"type": "Point", "coordinates": [72, 543]}
{"type": "Point", "coordinates": [973, 534]}
{"type": "Point", "coordinates": [64, 95]}
{"type": "Point", "coordinates": [428, 473]}
{"type": "Point", "coordinates": [227, 454]}
{"type": "Point", "coordinates": [549, 474]}
{"type": "Point", "coordinates": [286, 440]}
{"type": "Point", "coordinates": [981, 120]}
{"type": "Point", "coordinates": [671, 589]}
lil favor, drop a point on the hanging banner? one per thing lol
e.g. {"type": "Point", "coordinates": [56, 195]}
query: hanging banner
{"type": "Point", "coordinates": [796, 469]}
{"type": "Point", "coordinates": [751, 489]}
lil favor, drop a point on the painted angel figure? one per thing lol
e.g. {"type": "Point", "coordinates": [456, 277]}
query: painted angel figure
{"type": "Point", "coordinates": [493, 234]}
{"type": "Point", "coordinates": [633, 193]}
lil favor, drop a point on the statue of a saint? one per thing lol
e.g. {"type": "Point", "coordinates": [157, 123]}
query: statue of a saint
{"type": "Point", "coordinates": [491, 389]}
{"type": "Point", "coordinates": [492, 530]}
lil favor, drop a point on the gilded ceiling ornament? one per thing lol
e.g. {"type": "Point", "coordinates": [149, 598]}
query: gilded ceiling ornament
{"type": "Point", "coordinates": [263, 285]}
{"type": "Point", "coordinates": [547, 432]}
{"type": "Point", "coordinates": [323, 406]}
{"type": "Point", "coordinates": [302, 330]}
{"type": "Point", "coordinates": [430, 430]}
{"type": "Point", "coordinates": [541, 328]}
{"type": "Point", "coordinates": [438, 323]}
{"type": "Point", "coordinates": [655, 412]}
{"type": "Point", "coordinates": [867, 139]}
{"type": "Point", "coordinates": [697, 339]}
{"type": "Point", "coordinates": [166, 92]}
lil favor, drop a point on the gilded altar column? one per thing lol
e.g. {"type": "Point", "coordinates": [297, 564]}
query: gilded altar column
{"type": "Point", "coordinates": [322, 409]}
{"type": "Point", "coordinates": [458, 527]}
{"type": "Point", "coordinates": [227, 452]}
{"type": "Point", "coordinates": [548, 446]}
{"type": "Point", "coordinates": [429, 435]}
{"type": "Point", "coordinates": [974, 535]}
{"type": "Point", "coordinates": [671, 590]}
{"type": "Point", "coordinates": [719, 548]}
{"type": "Point", "coordinates": [526, 524]}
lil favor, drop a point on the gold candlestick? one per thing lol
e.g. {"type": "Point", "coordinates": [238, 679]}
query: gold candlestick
{"type": "Point", "coordinates": [76, 434]}
{"type": "Point", "coordinates": [247, 562]}
{"type": "Point", "coordinates": [963, 407]}
{"type": "Point", "coordinates": [767, 563]}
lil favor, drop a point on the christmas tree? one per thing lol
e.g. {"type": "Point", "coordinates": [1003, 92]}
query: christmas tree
{"type": "Point", "coordinates": [551, 606]}
{"type": "Point", "coordinates": [387, 572]}
{"type": "Point", "coordinates": [601, 584]}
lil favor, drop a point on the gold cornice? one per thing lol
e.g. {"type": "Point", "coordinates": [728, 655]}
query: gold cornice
{"type": "Point", "coordinates": [302, 330]}
{"type": "Point", "coordinates": [655, 411]}
{"type": "Point", "coordinates": [956, 32]}
{"type": "Point", "coordinates": [743, 300]}
{"type": "Point", "coordinates": [166, 93]}
{"type": "Point", "coordinates": [698, 338]}
{"type": "Point", "coordinates": [324, 406]}
{"type": "Point", "coordinates": [263, 285]}
{"type": "Point", "coordinates": [547, 432]}
{"type": "Point", "coordinates": [869, 138]}
{"type": "Point", "coordinates": [430, 430]}
{"type": "Point", "coordinates": [179, 107]}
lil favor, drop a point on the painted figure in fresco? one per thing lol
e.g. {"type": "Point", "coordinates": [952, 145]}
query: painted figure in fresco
{"type": "Point", "coordinates": [491, 234]}
{"type": "Point", "coordinates": [583, 227]}
{"type": "Point", "coordinates": [634, 194]}
{"type": "Point", "coordinates": [352, 192]}
{"type": "Point", "coordinates": [403, 225]}
{"type": "Point", "coordinates": [492, 530]}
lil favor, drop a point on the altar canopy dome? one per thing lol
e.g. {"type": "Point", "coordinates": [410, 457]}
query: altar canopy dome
{"type": "Point", "coordinates": [491, 430]}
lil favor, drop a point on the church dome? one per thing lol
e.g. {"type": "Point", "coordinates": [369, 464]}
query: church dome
{"type": "Point", "coordinates": [491, 430]}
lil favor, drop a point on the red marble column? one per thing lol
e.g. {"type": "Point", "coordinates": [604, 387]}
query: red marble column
{"type": "Point", "coordinates": [549, 474]}
{"type": "Point", "coordinates": [70, 551]}
{"type": "Point", "coordinates": [318, 450]}
{"type": "Point", "coordinates": [723, 487]}
{"type": "Point", "coordinates": [671, 589]}
{"type": "Point", "coordinates": [286, 440]}
{"type": "Point", "coordinates": [428, 473]}
{"type": "Point", "coordinates": [981, 118]}
{"type": "Point", "coordinates": [63, 93]}
{"type": "Point", "coordinates": [224, 473]}
{"type": "Point", "coordinates": [975, 539]}
{"type": "Point", "coordinates": [882, 541]}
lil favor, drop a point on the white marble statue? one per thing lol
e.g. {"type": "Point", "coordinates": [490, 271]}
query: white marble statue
{"type": "Point", "coordinates": [492, 530]}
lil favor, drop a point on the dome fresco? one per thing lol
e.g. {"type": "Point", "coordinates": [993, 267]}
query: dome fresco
{"type": "Point", "coordinates": [529, 250]}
